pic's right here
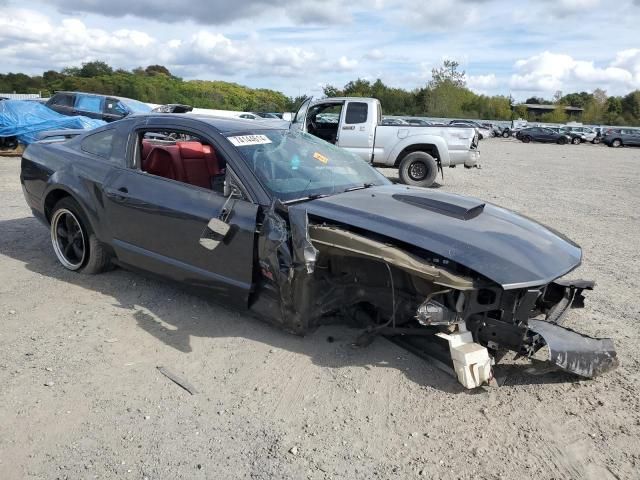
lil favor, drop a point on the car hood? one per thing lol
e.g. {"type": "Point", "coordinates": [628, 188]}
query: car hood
{"type": "Point", "coordinates": [501, 245]}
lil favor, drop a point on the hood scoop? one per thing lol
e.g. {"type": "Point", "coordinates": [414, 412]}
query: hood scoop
{"type": "Point", "coordinates": [460, 208]}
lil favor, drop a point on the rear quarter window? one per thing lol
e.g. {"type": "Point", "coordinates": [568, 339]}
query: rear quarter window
{"type": "Point", "coordinates": [99, 144]}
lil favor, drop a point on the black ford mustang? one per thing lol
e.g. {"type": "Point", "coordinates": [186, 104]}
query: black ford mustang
{"type": "Point", "coordinates": [305, 233]}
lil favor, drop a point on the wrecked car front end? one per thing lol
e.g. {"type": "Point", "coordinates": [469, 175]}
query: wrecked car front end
{"type": "Point", "coordinates": [340, 243]}
{"type": "Point", "coordinates": [322, 265]}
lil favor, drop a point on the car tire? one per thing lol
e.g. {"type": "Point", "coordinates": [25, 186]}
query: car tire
{"type": "Point", "coordinates": [616, 143]}
{"type": "Point", "coordinates": [74, 243]}
{"type": "Point", "coordinates": [526, 139]}
{"type": "Point", "coordinates": [576, 141]}
{"type": "Point", "coordinates": [595, 141]}
{"type": "Point", "coordinates": [418, 169]}
{"type": "Point", "coordinates": [562, 141]}
{"type": "Point", "coordinates": [506, 134]}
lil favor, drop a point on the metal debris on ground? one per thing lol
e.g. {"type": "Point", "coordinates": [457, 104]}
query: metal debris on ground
{"type": "Point", "coordinates": [178, 380]}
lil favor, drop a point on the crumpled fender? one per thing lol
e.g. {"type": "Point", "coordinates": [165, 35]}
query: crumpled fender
{"type": "Point", "coordinates": [287, 257]}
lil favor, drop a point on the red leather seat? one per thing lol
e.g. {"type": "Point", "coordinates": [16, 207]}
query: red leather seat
{"type": "Point", "coordinates": [146, 149]}
{"type": "Point", "coordinates": [195, 164]}
{"type": "Point", "coordinates": [214, 164]}
{"type": "Point", "coordinates": [165, 161]}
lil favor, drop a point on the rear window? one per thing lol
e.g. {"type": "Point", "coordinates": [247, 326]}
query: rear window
{"type": "Point", "coordinates": [99, 144]}
{"type": "Point", "coordinates": [356, 112]}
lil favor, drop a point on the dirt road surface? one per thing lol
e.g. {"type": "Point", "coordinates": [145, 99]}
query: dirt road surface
{"type": "Point", "coordinates": [81, 396]}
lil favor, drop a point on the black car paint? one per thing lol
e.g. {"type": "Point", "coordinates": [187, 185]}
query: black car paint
{"type": "Point", "coordinates": [163, 218]}
{"type": "Point", "coordinates": [142, 223]}
{"type": "Point", "coordinates": [507, 248]}
{"type": "Point", "coordinates": [539, 134]}
{"type": "Point", "coordinates": [154, 225]}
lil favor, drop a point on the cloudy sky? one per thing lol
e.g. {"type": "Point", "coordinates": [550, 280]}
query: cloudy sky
{"type": "Point", "coordinates": [522, 47]}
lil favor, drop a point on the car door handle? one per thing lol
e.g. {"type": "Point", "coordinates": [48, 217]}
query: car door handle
{"type": "Point", "coordinates": [119, 195]}
{"type": "Point", "coordinates": [349, 127]}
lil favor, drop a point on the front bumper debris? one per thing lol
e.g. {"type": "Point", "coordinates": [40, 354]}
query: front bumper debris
{"type": "Point", "coordinates": [574, 352]}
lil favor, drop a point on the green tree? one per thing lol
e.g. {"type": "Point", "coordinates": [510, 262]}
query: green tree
{"type": "Point", "coordinates": [95, 69]}
{"type": "Point", "coordinates": [157, 70]}
{"type": "Point", "coordinates": [448, 73]}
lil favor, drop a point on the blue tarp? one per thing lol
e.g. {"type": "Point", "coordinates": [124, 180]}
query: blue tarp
{"type": "Point", "coordinates": [25, 120]}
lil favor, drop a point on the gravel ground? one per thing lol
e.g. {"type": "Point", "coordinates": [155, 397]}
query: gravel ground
{"type": "Point", "coordinates": [81, 397]}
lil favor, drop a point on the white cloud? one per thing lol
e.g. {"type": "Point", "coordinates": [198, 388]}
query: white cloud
{"type": "Point", "coordinates": [482, 83]}
{"type": "Point", "coordinates": [437, 15]}
{"type": "Point", "coordinates": [374, 54]}
{"type": "Point", "coordinates": [548, 72]}
{"type": "Point", "coordinates": [345, 63]}
{"type": "Point", "coordinates": [32, 40]}
{"type": "Point", "coordinates": [569, 7]}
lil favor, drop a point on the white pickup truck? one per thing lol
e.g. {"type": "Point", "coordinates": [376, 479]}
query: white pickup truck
{"type": "Point", "coordinates": [418, 152]}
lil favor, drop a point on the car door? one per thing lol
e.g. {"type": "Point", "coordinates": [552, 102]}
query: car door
{"type": "Point", "coordinates": [89, 105]}
{"type": "Point", "coordinates": [299, 122]}
{"type": "Point", "coordinates": [357, 129]}
{"type": "Point", "coordinates": [157, 224]}
{"type": "Point", "coordinates": [547, 135]}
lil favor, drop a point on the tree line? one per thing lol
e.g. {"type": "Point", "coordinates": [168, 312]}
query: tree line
{"type": "Point", "coordinates": [445, 95]}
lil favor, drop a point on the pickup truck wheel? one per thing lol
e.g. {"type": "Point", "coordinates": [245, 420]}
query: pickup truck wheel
{"type": "Point", "coordinates": [74, 244]}
{"type": "Point", "coordinates": [418, 169]}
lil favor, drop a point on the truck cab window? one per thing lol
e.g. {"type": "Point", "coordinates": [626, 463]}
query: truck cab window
{"type": "Point", "coordinates": [356, 113]}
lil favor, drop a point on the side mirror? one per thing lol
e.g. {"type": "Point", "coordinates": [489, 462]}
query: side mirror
{"type": "Point", "coordinates": [214, 233]}
{"type": "Point", "coordinates": [287, 116]}
{"type": "Point", "coordinates": [218, 228]}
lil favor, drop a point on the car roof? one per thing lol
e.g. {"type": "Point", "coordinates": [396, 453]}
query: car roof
{"type": "Point", "coordinates": [222, 124]}
{"type": "Point", "coordinates": [70, 92]}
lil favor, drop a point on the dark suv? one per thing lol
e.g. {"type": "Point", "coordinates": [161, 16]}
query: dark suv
{"type": "Point", "coordinates": [93, 105]}
{"type": "Point", "coordinates": [619, 137]}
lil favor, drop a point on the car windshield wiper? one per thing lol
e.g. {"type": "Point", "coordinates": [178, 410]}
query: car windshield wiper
{"type": "Point", "coordinates": [307, 198]}
{"type": "Point", "coordinates": [360, 187]}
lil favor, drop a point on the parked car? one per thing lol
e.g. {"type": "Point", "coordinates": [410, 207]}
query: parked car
{"type": "Point", "coordinates": [173, 108]}
{"type": "Point", "coordinates": [93, 105]}
{"type": "Point", "coordinates": [621, 137]}
{"type": "Point", "coordinates": [305, 233]}
{"type": "Point", "coordinates": [575, 137]}
{"type": "Point", "coordinates": [542, 134]}
{"type": "Point", "coordinates": [586, 134]}
{"type": "Point", "coordinates": [514, 128]}
{"type": "Point", "coordinates": [267, 115]}
{"type": "Point", "coordinates": [394, 121]}
{"type": "Point", "coordinates": [417, 152]}
{"type": "Point", "coordinates": [483, 132]}
{"type": "Point", "coordinates": [418, 122]}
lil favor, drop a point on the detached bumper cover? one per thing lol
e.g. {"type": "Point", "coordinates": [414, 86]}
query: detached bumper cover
{"type": "Point", "coordinates": [574, 352]}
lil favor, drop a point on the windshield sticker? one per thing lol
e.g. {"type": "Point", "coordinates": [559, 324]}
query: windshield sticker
{"type": "Point", "coordinates": [246, 140]}
{"type": "Point", "coordinates": [321, 158]}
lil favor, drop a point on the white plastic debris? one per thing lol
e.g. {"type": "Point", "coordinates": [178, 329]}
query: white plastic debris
{"type": "Point", "coordinates": [471, 361]}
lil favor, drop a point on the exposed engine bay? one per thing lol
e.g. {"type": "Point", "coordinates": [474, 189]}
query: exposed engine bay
{"type": "Point", "coordinates": [328, 271]}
